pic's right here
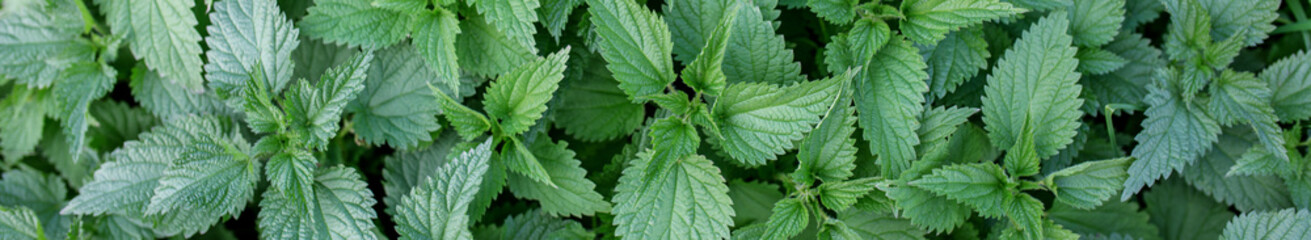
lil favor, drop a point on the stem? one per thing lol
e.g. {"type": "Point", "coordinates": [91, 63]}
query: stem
{"type": "Point", "coordinates": [88, 19]}
{"type": "Point", "coordinates": [1299, 13]}
{"type": "Point", "coordinates": [349, 126]}
{"type": "Point", "coordinates": [1110, 110]}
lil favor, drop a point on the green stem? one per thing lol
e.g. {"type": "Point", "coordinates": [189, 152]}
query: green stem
{"type": "Point", "coordinates": [1110, 110]}
{"type": "Point", "coordinates": [87, 19]}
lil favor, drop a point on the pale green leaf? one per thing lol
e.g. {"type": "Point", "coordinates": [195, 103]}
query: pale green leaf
{"type": "Point", "coordinates": [872, 225]}
{"type": "Point", "coordinates": [759, 121]}
{"type": "Point", "coordinates": [1174, 134]}
{"type": "Point", "coordinates": [515, 18]}
{"type": "Point", "coordinates": [356, 23]}
{"type": "Point", "coordinates": [1034, 83]}
{"type": "Point", "coordinates": [555, 15]}
{"type": "Point", "coordinates": [982, 186]}
{"type": "Point", "coordinates": [1127, 85]}
{"type": "Point", "coordinates": [518, 98]}
{"type": "Point", "coordinates": [435, 38]}
{"type": "Point", "coordinates": [1284, 224]}
{"type": "Point", "coordinates": [1253, 19]}
{"type": "Point", "coordinates": [1087, 185]}
{"type": "Point", "coordinates": [247, 36]}
{"type": "Point", "coordinates": [81, 83]}
{"type": "Point", "coordinates": [890, 98]}
{"type": "Point", "coordinates": [1095, 61]}
{"type": "Point", "coordinates": [789, 217]}
{"type": "Point", "coordinates": [537, 225]}
{"type": "Point", "coordinates": [751, 199]}
{"type": "Point", "coordinates": [706, 73]}
{"type": "Point", "coordinates": [927, 210]}
{"type": "Point", "coordinates": [342, 208]}
{"type": "Point", "coordinates": [834, 11]}
{"type": "Point", "coordinates": [314, 110]}
{"type": "Point", "coordinates": [829, 152]}
{"type": "Point", "coordinates": [166, 99]}
{"type": "Point", "coordinates": [436, 208]}
{"type": "Point", "coordinates": [403, 171]}
{"type": "Point", "coordinates": [212, 176]}
{"type": "Point", "coordinates": [38, 40]}
{"type": "Point", "coordinates": [686, 201]}
{"type": "Point", "coordinates": [928, 21]}
{"type": "Point", "coordinates": [27, 188]}
{"type": "Point", "coordinates": [164, 34]}
{"type": "Point", "coordinates": [314, 57]}
{"type": "Point", "coordinates": [838, 195]}
{"type": "Point", "coordinates": [574, 194]}
{"type": "Point", "coordinates": [24, 113]}
{"type": "Point", "coordinates": [395, 106]}
{"type": "Point", "coordinates": [1111, 217]}
{"type": "Point", "coordinates": [671, 139]}
{"type": "Point", "coordinates": [1289, 79]}
{"type": "Point", "coordinates": [468, 123]}
{"type": "Point", "coordinates": [291, 187]}
{"type": "Point", "coordinates": [1025, 213]}
{"type": "Point", "coordinates": [19, 223]}
{"type": "Point", "coordinates": [636, 46]}
{"type": "Point", "coordinates": [1242, 98]}
{"type": "Point", "coordinates": [125, 183]}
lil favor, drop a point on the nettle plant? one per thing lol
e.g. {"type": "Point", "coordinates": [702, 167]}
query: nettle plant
{"type": "Point", "coordinates": [673, 119]}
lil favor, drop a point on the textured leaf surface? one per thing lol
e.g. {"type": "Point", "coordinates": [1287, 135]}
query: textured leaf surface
{"type": "Point", "coordinates": [37, 41]}
{"type": "Point", "coordinates": [403, 171]}
{"type": "Point", "coordinates": [890, 97]}
{"type": "Point", "coordinates": [27, 188]}
{"type": "Point", "coordinates": [82, 83]}
{"type": "Point", "coordinates": [1284, 224]}
{"type": "Point", "coordinates": [515, 18]}
{"type": "Point", "coordinates": [829, 152]}
{"type": "Point", "coordinates": [212, 177]}
{"type": "Point", "coordinates": [356, 23]}
{"type": "Point", "coordinates": [1183, 213]}
{"type": "Point", "coordinates": [1094, 23]}
{"type": "Point", "coordinates": [395, 106]}
{"type": "Point", "coordinates": [342, 209]}
{"type": "Point", "coordinates": [1087, 185]}
{"type": "Point", "coordinates": [517, 99]}
{"type": "Point", "coordinates": [750, 199]}
{"type": "Point", "coordinates": [19, 223]}
{"type": "Point", "coordinates": [636, 46]}
{"type": "Point", "coordinates": [435, 38]}
{"type": "Point", "coordinates": [983, 186]}
{"type": "Point", "coordinates": [1107, 219]}
{"type": "Point", "coordinates": [486, 52]}
{"type": "Point", "coordinates": [788, 219]}
{"type": "Point", "coordinates": [1290, 79]}
{"type": "Point", "coordinates": [592, 107]}
{"type": "Point", "coordinates": [247, 36]}
{"type": "Point", "coordinates": [1174, 124]}
{"type": "Point", "coordinates": [686, 201]}
{"type": "Point", "coordinates": [958, 57]}
{"type": "Point", "coordinates": [574, 194]}
{"type": "Point", "coordinates": [163, 33]}
{"type": "Point", "coordinates": [24, 116]}
{"type": "Point", "coordinates": [1247, 193]}
{"type": "Point", "coordinates": [1035, 85]}
{"type": "Point", "coordinates": [166, 99]}
{"type": "Point", "coordinates": [928, 210]}
{"type": "Point", "coordinates": [928, 21]}
{"type": "Point", "coordinates": [759, 121]}
{"type": "Point", "coordinates": [315, 110]}
{"type": "Point", "coordinates": [436, 209]}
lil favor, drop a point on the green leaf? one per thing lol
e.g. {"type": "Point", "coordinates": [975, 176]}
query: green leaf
{"type": "Point", "coordinates": [788, 219]}
{"type": "Point", "coordinates": [403, 171]}
{"type": "Point", "coordinates": [873, 225]}
{"type": "Point", "coordinates": [313, 57]}
{"type": "Point", "coordinates": [1250, 20]}
{"type": "Point", "coordinates": [248, 36]}
{"type": "Point", "coordinates": [435, 37]}
{"type": "Point", "coordinates": [1025, 213]}
{"type": "Point", "coordinates": [1174, 134]}
{"type": "Point", "coordinates": [1095, 61]}
{"type": "Point", "coordinates": [518, 98]}
{"type": "Point", "coordinates": [395, 105]}
{"type": "Point", "coordinates": [436, 209]}
{"type": "Point", "coordinates": [1139, 12]}
{"type": "Point", "coordinates": [757, 54]}
{"type": "Point", "coordinates": [890, 98]}
{"type": "Point", "coordinates": [26, 188]}
{"type": "Point", "coordinates": [928, 21]}
{"type": "Point", "coordinates": [485, 52]}
{"type": "Point", "coordinates": [671, 139]}
{"type": "Point", "coordinates": [838, 195]}
{"type": "Point", "coordinates": [759, 121]}
{"type": "Point", "coordinates": [636, 46]}
{"type": "Point", "coordinates": [82, 83]}
{"type": "Point", "coordinates": [1087, 185]}
{"type": "Point", "coordinates": [291, 186]}
{"type": "Point", "coordinates": [1183, 213]}
{"type": "Point", "coordinates": [1284, 224]}
{"type": "Point", "coordinates": [750, 199]}
{"type": "Point", "coordinates": [125, 183]}
{"type": "Point", "coordinates": [938, 124]}
{"type": "Point", "coordinates": [572, 195]}
{"type": "Point", "coordinates": [356, 23]}
{"type": "Point", "coordinates": [468, 123]}
{"type": "Point", "coordinates": [928, 210]}
{"type": "Point", "coordinates": [982, 186]}
{"type": "Point", "coordinates": [163, 33]}
{"type": "Point", "coordinates": [828, 152]}
{"type": "Point", "coordinates": [315, 110]}
{"type": "Point", "coordinates": [686, 201]}
{"type": "Point", "coordinates": [1111, 217]}
{"type": "Point", "coordinates": [1288, 80]}
{"type": "Point", "coordinates": [38, 41]}
{"type": "Point", "coordinates": [262, 116]}
{"type": "Point", "coordinates": [537, 225]}
{"type": "Point", "coordinates": [1128, 84]}
{"type": "Point", "coordinates": [555, 15]}
{"type": "Point", "coordinates": [520, 159]}
{"type": "Point", "coordinates": [834, 11]}
{"type": "Point", "coordinates": [166, 99]}
{"type": "Point", "coordinates": [342, 207]}
{"type": "Point", "coordinates": [958, 57]}
{"type": "Point", "coordinates": [1246, 193]}
{"type": "Point", "coordinates": [211, 177]}
{"type": "Point", "coordinates": [706, 73]}
{"type": "Point", "coordinates": [1242, 98]}
{"type": "Point", "coordinates": [1035, 83]}
{"type": "Point", "coordinates": [515, 18]}
{"type": "Point", "coordinates": [1095, 23]}
{"type": "Point", "coordinates": [19, 223]}
{"type": "Point", "coordinates": [24, 112]}
{"type": "Point", "coordinates": [119, 123]}
{"type": "Point", "coordinates": [592, 107]}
